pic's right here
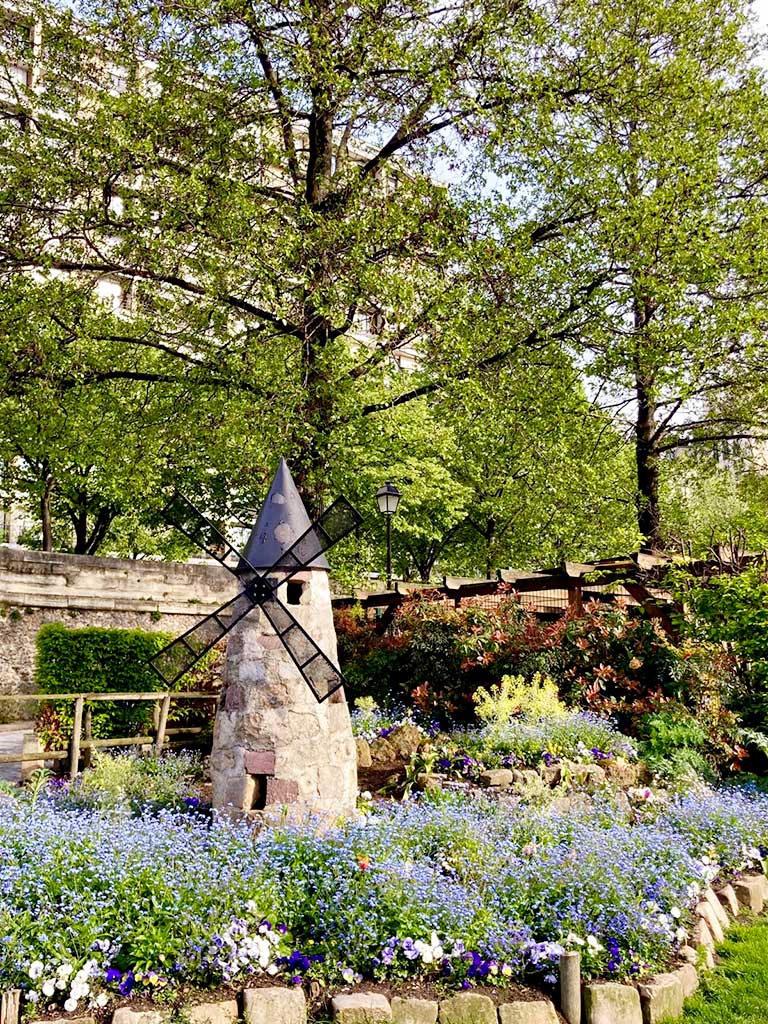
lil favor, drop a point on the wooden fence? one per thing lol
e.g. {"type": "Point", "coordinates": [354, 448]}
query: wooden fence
{"type": "Point", "coordinates": [637, 580]}
{"type": "Point", "coordinates": [82, 740]}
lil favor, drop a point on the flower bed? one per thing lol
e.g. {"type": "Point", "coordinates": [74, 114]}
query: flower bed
{"type": "Point", "coordinates": [94, 904]}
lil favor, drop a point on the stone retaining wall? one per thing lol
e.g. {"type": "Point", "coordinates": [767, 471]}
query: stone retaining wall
{"type": "Point", "coordinates": [651, 1001]}
{"type": "Point", "coordinates": [77, 590]}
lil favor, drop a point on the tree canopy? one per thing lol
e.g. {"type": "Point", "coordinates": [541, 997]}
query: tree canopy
{"type": "Point", "coordinates": [388, 241]}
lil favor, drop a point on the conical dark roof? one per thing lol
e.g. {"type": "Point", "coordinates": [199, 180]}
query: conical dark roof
{"type": "Point", "coordinates": [282, 520]}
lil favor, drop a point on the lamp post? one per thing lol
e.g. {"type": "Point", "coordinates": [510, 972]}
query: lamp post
{"type": "Point", "coordinates": [388, 498]}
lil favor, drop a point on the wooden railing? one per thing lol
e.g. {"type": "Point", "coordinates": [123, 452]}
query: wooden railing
{"type": "Point", "coordinates": [82, 740]}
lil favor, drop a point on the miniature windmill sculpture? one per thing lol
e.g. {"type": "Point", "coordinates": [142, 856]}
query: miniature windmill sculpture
{"type": "Point", "coordinates": [260, 585]}
{"type": "Point", "coordinates": [282, 739]}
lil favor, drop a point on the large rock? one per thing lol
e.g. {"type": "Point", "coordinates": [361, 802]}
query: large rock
{"type": "Point", "coordinates": [274, 1006]}
{"type": "Point", "coordinates": [590, 776]}
{"type": "Point", "coordinates": [467, 1008]}
{"type": "Point", "coordinates": [611, 1003]}
{"type": "Point", "coordinates": [539, 1012]}
{"type": "Point", "coordinates": [688, 977]}
{"type": "Point", "coordinates": [382, 751]}
{"type": "Point", "coordinates": [427, 782]}
{"type": "Point", "coordinates": [573, 804]}
{"type": "Point", "coordinates": [125, 1015]}
{"type": "Point", "coordinates": [622, 773]}
{"type": "Point", "coordinates": [406, 739]}
{"type": "Point", "coordinates": [63, 1020]}
{"type": "Point", "coordinates": [361, 1008]}
{"type": "Point", "coordinates": [706, 913]}
{"type": "Point", "coordinates": [702, 936]}
{"type": "Point", "coordinates": [497, 778]}
{"type": "Point", "coordinates": [223, 1012]}
{"type": "Point", "coordinates": [623, 805]}
{"type": "Point", "coordinates": [550, 773]}
{"type": "Point", "coordinates": [717, 909]}
{"type": "Point", "coordinates": [363, 753]}
{"type": "Point", "coordinates": [661, 998]}
{"type": "Point", "coordinates": [413, 1011]}
{"type": "Point", "coordinates": [727, 897]}
{"type": "Point", "coordinates": [749, 892]}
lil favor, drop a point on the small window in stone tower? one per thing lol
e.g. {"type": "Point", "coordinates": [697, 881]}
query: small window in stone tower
{"type": "Point", "coordinates": [294, 592]}
{"type": "Point", "coordinates": [259, 793]}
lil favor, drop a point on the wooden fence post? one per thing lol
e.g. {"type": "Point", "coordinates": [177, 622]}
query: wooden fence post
{"type": "Point", "coordinates": [77, 728]}
{"type": "Point", "coordinates": [165, 707]}
{"type": "Point", "coordinates": [570, 987]}
{"type": "Point", "coordinates": [10, 1006]}
{"type": "Point", "coordinates": [87, 752]}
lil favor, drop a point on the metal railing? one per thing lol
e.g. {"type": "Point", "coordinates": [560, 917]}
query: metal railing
{"type": "Point", "coordinates": [82, 739]}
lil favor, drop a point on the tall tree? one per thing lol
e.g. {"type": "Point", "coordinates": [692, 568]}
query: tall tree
{"type": "Point", "coordinates": [656, 172]}
{"type": "Point", "coordinates": [257, 178]}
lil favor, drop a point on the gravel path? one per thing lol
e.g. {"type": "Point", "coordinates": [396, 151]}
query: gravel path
{"type": "Point", "coordinates": [11, 742]}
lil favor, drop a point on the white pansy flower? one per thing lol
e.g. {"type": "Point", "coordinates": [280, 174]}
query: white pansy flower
{"type": "Point", "coordinates": [36, 969]}
{"type": "Point", "coordinates": [681, 935]}
{"type": "Point", "coordinates": [429, 951]}
{"type": "Point", "coordinates": [593, 944]}
{"type": "Point", "coordinates": [70, 1005]}
{"type": "Point", "coordinates": [675, 912]}
{"type": "Point", "coordinates": [49, 987]}
{"type": "Point", "coordinates": [64, 970]}
{"type": "Point", "coordinates": [101, 1000]}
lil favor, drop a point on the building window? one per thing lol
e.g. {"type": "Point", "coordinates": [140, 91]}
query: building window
{"type": "Point", "coordinates": [16, 53]}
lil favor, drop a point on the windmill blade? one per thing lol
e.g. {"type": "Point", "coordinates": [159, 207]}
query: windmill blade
{"type": "Point", "coordinates": [319, 672]}
{"type": "Point", "coordinates": [338, 520]}
{"type": "Point", "coordinates": [181, 654]}
{"type": "Point", "coordinates": [181, 513]}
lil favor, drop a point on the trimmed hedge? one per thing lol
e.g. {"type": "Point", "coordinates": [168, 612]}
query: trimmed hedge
{"type": "Point", "coordinates": [94, 660]}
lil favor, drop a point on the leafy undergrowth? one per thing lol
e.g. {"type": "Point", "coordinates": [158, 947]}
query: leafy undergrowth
{"type": "Point", "coordinates": [737, 993]}
{"type": "Point", "coordinates": [98, 904]}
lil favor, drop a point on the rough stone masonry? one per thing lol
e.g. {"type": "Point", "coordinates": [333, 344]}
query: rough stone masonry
{"type": "Point", "coordinates": [276, 750]}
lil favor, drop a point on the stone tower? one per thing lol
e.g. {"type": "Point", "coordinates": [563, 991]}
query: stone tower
{"type": "Point", "coordinates": [274, 746]}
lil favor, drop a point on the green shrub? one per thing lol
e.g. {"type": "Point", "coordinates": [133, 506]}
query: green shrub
{"type": "Point", "coordinates": [435, 656]}
{"type": "Point", "coordinates": [731, 610]}
{"type": "Point", "coordinates": [97, 660]}
{"type": "Point", "coordinates": [674, 744]}
{"type": "Point", "coordinates": [132, 783]}
{"type": "Point", "coordinates": [529, 740]}
{"type": "Point", "coordinates": [536, 697]}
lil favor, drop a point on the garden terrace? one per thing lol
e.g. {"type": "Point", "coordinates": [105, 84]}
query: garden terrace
{"type": "Point", "coordinates": [457, 895]}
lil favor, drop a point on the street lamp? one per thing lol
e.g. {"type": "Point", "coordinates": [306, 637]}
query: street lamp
{"type": "Point", "coordinates": [388, 498]}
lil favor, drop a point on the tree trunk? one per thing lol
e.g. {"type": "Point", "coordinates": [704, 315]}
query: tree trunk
{"type": "Point", "coordinates": [648, 516]}
{"type": "Point", "coordinates": [646, 454]}
{"type": "Point", "coordinates": [318, 407]}
{"type": "Point", "coordinates": [45, 511]}
{"type": "Point", "coordinates": [100, 529]}
{"type": "Point", "coordinates": [80, 525]}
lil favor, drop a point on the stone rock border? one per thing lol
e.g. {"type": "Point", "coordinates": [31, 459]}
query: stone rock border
{"type": "Point", "coordinates": [652, 1001]}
